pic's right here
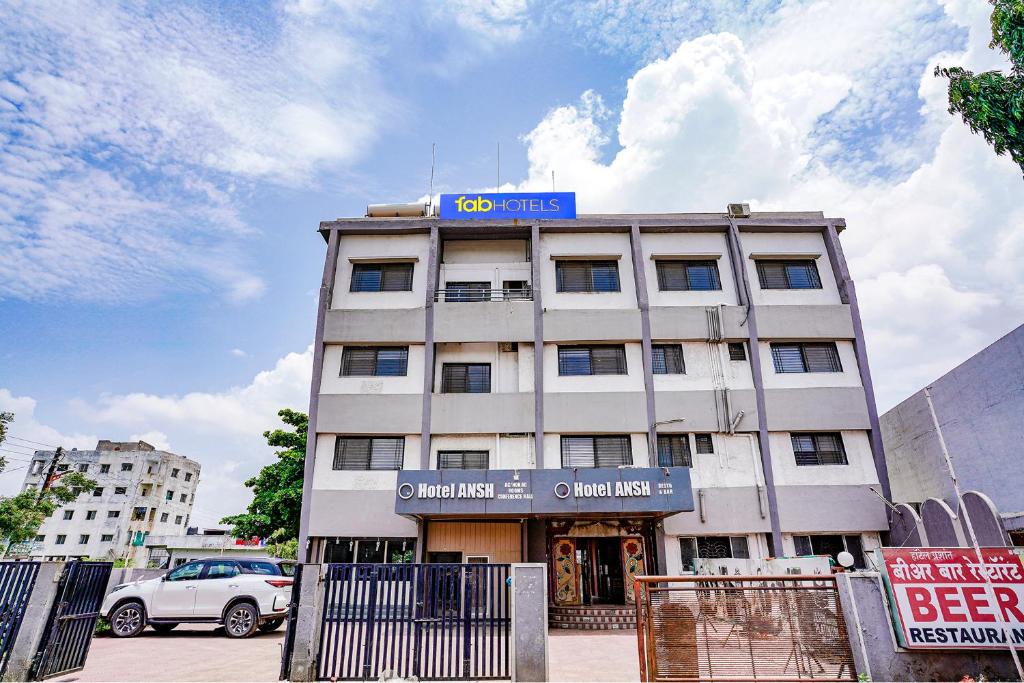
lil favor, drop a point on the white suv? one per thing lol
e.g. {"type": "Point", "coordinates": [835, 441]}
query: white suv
{"type": "Point", "coordinates": [243, 594]}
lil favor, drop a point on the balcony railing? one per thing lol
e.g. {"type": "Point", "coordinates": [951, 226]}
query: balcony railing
{"type": "Point", "coordinates": [465, 295]}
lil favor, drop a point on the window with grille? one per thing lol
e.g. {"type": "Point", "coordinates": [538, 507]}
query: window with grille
{"type": "Point", "coordinates": [90, 514]}
{"type": "Point", "coordinates": [374, 361]}
{"type": "Point", "coordinates": [61, 538]}
{"type": "Point", "coordinates": [84, 467]}
{"type": "Point", "coordinates": [704, 444]}
{"type": "Point", "coordinates": [694, 548]}
{"type": "Point", "coordinates": [596, 451]}
{"type": "Point", "coordinates": [381, 277]}
{"type": "Point", "coordinates": [681, 276]}
{"type": "Point", "coordinates": [674, 451]}
{"type": "Point", "coordinates": [462, 460]}
{"type": "Point", "coordinates": [126, 467]}
{"type": "Point", "coordinates": [806, 357]}
{"type": "Point", "coordinates": [369, 453]}
{"type": "Point", "coordinates": [819, 449]}
{"type": "Point", "coordinates": [667, 359]}
{"type": "Point", "coordinates": [831, 545]}
{"type": "Point", "coordinates": [466, 378]}
{"type": "Point", "coordinates": [592, 360]}
{"type": "Point", "coordinates": [467, 291]}
{"type": "Point", "coordinates": [789, 274]}
{"type": "Point", "coordinates": [587, 276]}
{"type": "Point", "coordinates": [113, 514]}
{"type": "Point", "coordinates": [737, 351]}
{"type": "Point", "coordinates": [104, 469]}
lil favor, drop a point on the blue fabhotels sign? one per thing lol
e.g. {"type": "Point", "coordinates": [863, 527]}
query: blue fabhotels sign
{"type": "Point", "coordinates": [524, 205]}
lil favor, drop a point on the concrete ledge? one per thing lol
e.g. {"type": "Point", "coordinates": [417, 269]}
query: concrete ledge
{"type": "Point", "coordinates": [610, 324]}
{"type": "Point", "coordinates": [481, 413]}
{"type": "Point", "coordinates": [370, 414]}
{"type": "Point", "coordinates": [847, 508]}
{"type": "Point", "coordinates": [368, 326]}
{"type": "Point", "coordinates": [356, 513]}
{"type": "Point", "coordinates": [805, 322]}
{"type": "Point", "coordinates": [816, 408]}
{"type": "Point", "coordinates": [485, 321]}
{"type": "Point", "coordinates": [691, 322]}
{"type": "Point", "coordinates": [595, 411]}
{"type": "Point", "coordinates": [726, 510]}
{"type": "Point", "coordinates": [698, 409]}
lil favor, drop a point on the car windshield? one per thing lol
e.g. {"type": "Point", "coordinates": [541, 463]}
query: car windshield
{"type": "Point", "coordinates": [186, 571]}
{"type": "Point", "coordinates": [259, 567]}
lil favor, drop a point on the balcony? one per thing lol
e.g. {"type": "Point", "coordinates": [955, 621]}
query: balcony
{"type": "Point", "coordinates": [474, 294]}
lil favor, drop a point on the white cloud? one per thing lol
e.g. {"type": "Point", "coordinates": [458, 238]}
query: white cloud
{"type": "Point", "coordinates": [239, 353]}
{"type": "Point", "coordinates": [158, 440]}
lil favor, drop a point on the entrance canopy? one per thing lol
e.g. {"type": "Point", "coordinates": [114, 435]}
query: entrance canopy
{"type": "Point", "coordinates": [637, 491]}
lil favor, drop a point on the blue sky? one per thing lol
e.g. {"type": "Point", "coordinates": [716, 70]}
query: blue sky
{"type": "Point", "coordinates": [163, 169]}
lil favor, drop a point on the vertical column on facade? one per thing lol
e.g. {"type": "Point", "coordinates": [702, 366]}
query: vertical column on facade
{"type": "Point", "coordinates": [848, 295]}
{"type": "Point", "coordinates": [428, 348]}
{"type": "Point", "coordinates": [326, 295]}
{"type": "Point", "coordinates": [538, 346]}
{"type": "Point", "coordinates": [640, 282]}
{"type": "Point", "coordinates": [743, 285]}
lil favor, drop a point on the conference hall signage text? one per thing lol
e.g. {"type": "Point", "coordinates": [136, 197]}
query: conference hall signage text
{"type": "Point", "coordinates": [508, 205]}
{"type": "Point", "coordinates": [545, 491]}
{"type": "Point", "coordinates": [942, 600]}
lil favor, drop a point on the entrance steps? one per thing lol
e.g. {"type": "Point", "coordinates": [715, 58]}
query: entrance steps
{"type": "Point", "coordinates": [596, 618]}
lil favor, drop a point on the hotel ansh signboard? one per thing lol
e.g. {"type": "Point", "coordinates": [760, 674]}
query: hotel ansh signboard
{"type": "Point", "coordinates": [508, 205]}
{"type": "Point", "coordinates": [941, 600]}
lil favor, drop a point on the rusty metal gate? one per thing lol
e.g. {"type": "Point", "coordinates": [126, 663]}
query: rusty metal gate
{"type": "Point", "coordinates": [17, 579]}
{"type": "Point", "coordinates": [431, 621]}
{"type": "Point", "coordinates": [68, 635]}
{"type": "Point", "coordinates": [741, 628]}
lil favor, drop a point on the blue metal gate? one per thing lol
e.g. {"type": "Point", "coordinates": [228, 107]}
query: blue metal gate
{"type": "Point", "coordinates": [433, 621]}
{"type": "Point", "coordinates": [17, 579]}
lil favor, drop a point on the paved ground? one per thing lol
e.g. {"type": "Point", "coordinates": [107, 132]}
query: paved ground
{"type": "Point", "coordinates": [592, 656]}
{"type": "Point", "coordinates": [188, 653]}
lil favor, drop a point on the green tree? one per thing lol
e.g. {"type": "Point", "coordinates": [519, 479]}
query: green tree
{"type": "Point", "coordinates": [992, 103]}
{"type": "Point", "coordinates": [5, 419]}
{"type": "Point", "coordinates": [22, 515]}
{"type": "Point", "coordinates": [277, 488]}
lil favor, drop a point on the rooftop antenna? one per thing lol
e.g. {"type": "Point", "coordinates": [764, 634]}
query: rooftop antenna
{"type": "Point", "coordinates": [498, 189]}
{"type": "Point", "coordinates": [430, 190]}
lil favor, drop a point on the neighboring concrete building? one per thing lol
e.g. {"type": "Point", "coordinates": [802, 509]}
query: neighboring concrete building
{"type": "Point", "coordinates": [166, 552]}
{"type": "Point", "coordinates": [527, 363]}
{"type": "Point", "coordinates": [140, 491]}
{"type": "Point", "coordinates": [980, 407]}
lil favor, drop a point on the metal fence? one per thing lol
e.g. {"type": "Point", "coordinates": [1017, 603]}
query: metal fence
{"type": "Point", "coordinates": [468, 294]}
{"type": "Point", "coordinates": [433, 621]}
{"type": "Point", "coordinates": [741, 628]}
{"type": "Point", "coordinates": [17, 579]}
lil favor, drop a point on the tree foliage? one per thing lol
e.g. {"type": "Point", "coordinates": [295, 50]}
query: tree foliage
{"type": "Point", "coordinates": [992, 103]}
{"type": "Point", "coordinates": [22, 515]}
{"type": "Point", "coordinates": [277, 489]}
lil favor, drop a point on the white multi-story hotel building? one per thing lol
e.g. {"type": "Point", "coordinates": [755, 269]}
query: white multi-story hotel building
{"type": "Point", "coordinates": [140, 491]}
{"type": "Point", "coordinates": [534, 356]}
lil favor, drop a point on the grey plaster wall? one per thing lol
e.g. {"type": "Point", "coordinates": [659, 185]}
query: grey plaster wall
{"type": "Point", "coordinates": [979, 405]}
{"type": "Point", "coordinates": [374, 326]}
{"type": "Point", "coordinates": [529, 622]}
{"type": "Point", "coordinates": [699, 409]}
{"type": "Point", "coordinates": [481, 413]}
{"type": "Point", "coordinates": [805, 322]}
{"type": "Point", "coordinates": [822, 508]}
{"type": "Point", "coordinates": [723, 510]}
{"type": "Point", "coordinates": [308, 622]}
{"type": "Point", "coordinates": [816, 408]}
{"type": "Point", "coordinates": [691, 323]}
{"type": "Point", "coordinates": [592, 411]}
{"type": "Point", "coordinates": [606, 324]}
{"type": "Point", "coordinates": [370, 414]}
{"type": "Point", "coordinates": [877, 655]}
{"type": "Point", "coordinates": [483, 321]}
{"type": "Point", "coordinates": [356, 513]}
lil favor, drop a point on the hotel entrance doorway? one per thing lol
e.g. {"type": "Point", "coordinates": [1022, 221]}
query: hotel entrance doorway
{"type": "Point", "coordinates": [600, 571]}
{"type": "Point", "coordinates": [596, 570]}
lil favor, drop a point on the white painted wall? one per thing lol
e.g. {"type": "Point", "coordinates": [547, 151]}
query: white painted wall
{"type": "Point", "coordinates": [712, 245]}
{"type": "Point", "coordinates": [698, 358]}
{"type": "Point", "coordinates": [506, 452]}
{"type": "Point", "coordinates": [332, 382]}
{"type": "Point", "coordinates": [383, 247]}
{"type": "Point", "coordinates": [327, 478]}
{"type": "Point", "coordinates": [485, 251]}
{"type": "Point", "coordinates": [860, 470]}
{"type": "Point", "coordinates": [553, 450]}
{"type": "Point", "coordinates": [602, 246]}
{"type": "Point", "coordinates": [735, 462]}
{"type": "Point", "coordinates": [796, 244]}
{"type": "Point", "coordinates": [849, 377]}
{"type": "Point", "coordinates": [632, 381]}
{"type": "Point", "coordinates": [505, 365]}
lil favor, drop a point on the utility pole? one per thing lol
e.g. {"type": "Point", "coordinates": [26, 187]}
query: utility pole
{"type": "Point", "coordinates": [50, 471]}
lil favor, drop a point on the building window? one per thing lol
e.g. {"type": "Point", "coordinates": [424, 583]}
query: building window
{"type": "Point", "coordinates": [737, 351]}
{"type": "Point", "coordinates": [169, 495]}
{"type": "Point", "coordinates": [374, 361]}
{"type": "Point", "coordinates": [674, 451]}
{"type": "Point", "coordinates": [183, 498]}
{"type": "Point", "coordinates": [188, 476]}
{"type": "Point", "coordinates": [127, 467]}
{"type": "Point", "coordinates": [164, 516]}
{"type": "Point", "coordinates": [462, 460]}
{"type": "Point", "coordinates": [467, 291]}
{"type": "Point", "coordinates": [63, 468]}
{"type": "Point", "coordinates": [104, 469]}
{"type": "Point", "coordinates": [704, 444]}
{"type": "Point", "coordinates": [381, 277]}
{"type": "Point", "coordinates": [587, 276]}
{"type": "Point", "coordinates": [40, 538]}
{"type": "Point", "coordinates": [466, 378]}
{"type": "Point", "coordinates": [113, 514]}
{"type": "Point", "coordinates": [174, 473]}
{"type": "Point", "coordinates": [791, 274]}
{"type": "Point", "coordinates": [61, 538]}
{"type": "Point", "coordinates": [120, 490]}
{"type": "Point", "coordinates": [84, 467]}
{"type": "Point", "coordinates": [139, 514]}
{"type": "Point", "coordinates": [681, 276]}
{"type": "Point", "coordinates": [667, 359]}
{"type": "Point", "coordinates": [806, 357]}
{"type": "Point", "coordinates": [98, 491]}
{"type": "Point", "coordinates": [831, 545]}
{"type": "Point", "coordinates": [83, 539]}
{"type": "Point", "coordinates": [591, 360]}
{"type": "Point", "coordinates": [178, 519]}
{"type": "Point", "coordinates": [596, 451]}
{"type": "Point", "coordinates": [68, 514]}
{"type": "Point", "coordinates": [819, 449]}
{"type": "Point", "coordinates": [386, 550]}
{"type": "Point", "coordinates": [694, 548]}
{"type": "Point", "coordinates": [106, 538]}
{"type": "Point", "coordinates": [90, 514]}
{"type": "Point", "coordinates": [362, 453]}
{"type": "Point", "coordinates": [37, 467]}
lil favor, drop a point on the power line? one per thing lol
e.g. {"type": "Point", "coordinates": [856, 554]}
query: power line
{"type": "Point", "coordinates": [38, 443]}
{"type": "Point", "coordinates": [26, 449]}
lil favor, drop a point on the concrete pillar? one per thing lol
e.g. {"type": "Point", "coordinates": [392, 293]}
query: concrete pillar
{"type": "Point", "coordinates": [33, 625]}
{"type": "Point", "coordinates": [529, 622]}
{"type": "Point", "coordinates": [308, 621]}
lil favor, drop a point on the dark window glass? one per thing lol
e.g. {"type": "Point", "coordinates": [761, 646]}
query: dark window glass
{"type": "Point", "coordinates": [675, 276]}
{"type": "Point", "coordinates": [98, 491]}
{"type": "Point", "coordinates": [467, 291]}
{"type": "Point", "coordinates": [221, 569]}
{"type": "Point", "coordinates": [259, 567]}
{"type": "Point", "coordinates": [587, 276]}
{"type": "Point", "coordinates": [371, 551]}
{"type": "Point", "coordinates": [466, 378]}
{"type": "Point", "coordinates": [791, 274]}
{"type": "Point", "coordinates": [126, 467]}
{"type": "Point", "coordinates": [591, 360]}
{"type": "Point", "coordinates": [704, 443]}
{"type": "Point", "coordinates": [61, 538]}
{"type": "Point", "coordinates": [120, 490]}
{"type": "Point", "coordinates": [113, 514]}
{"type": "Point", "coordinates": [462, 460]}
{"type": "Point", "coordinates": [364, 453]}
{"type": "Point", "coordinates": [186, 572]}
{"type": "Point", "coordinates": [667, 359]}
{"type": "Point", "coordinates": [855, 548]}
{"type": "Point", "coordinates": [104, 469]}
{"type": "Point", "coordinates": [819, 449]}
{"type": "Point", "coordinates": [106, 538]}
{"type": "Point", "coordinates": [68, 514]}
{"type": "Point", "coordinates": [374, 361]}
{"type": "Point", "coordinates": [806, 357]}
{"type": "Point", "coordinates": [90, 514]}
{"type": "Point", "coordinates": [674, 451]}
{"type": "Point", "coordinates": [737, 351]}
{"type": "Point", "coordinates": [83, 539]}
{"type": "Point", "coordinates": [596, 451]}
{"type": "Point", "coordinates": [84, 467]}
{"type": "Point", "coordinates": [381, 277]}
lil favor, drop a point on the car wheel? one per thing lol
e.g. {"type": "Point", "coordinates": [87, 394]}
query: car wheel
{"type": "Point", "coordinates": [128, 620]}
{"type": "Point", "coordinates": [241, 621]}
{"type": "Point", "coordinates": [272, 625]}
{"type": "Point", "coordinates": [163, 628]}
